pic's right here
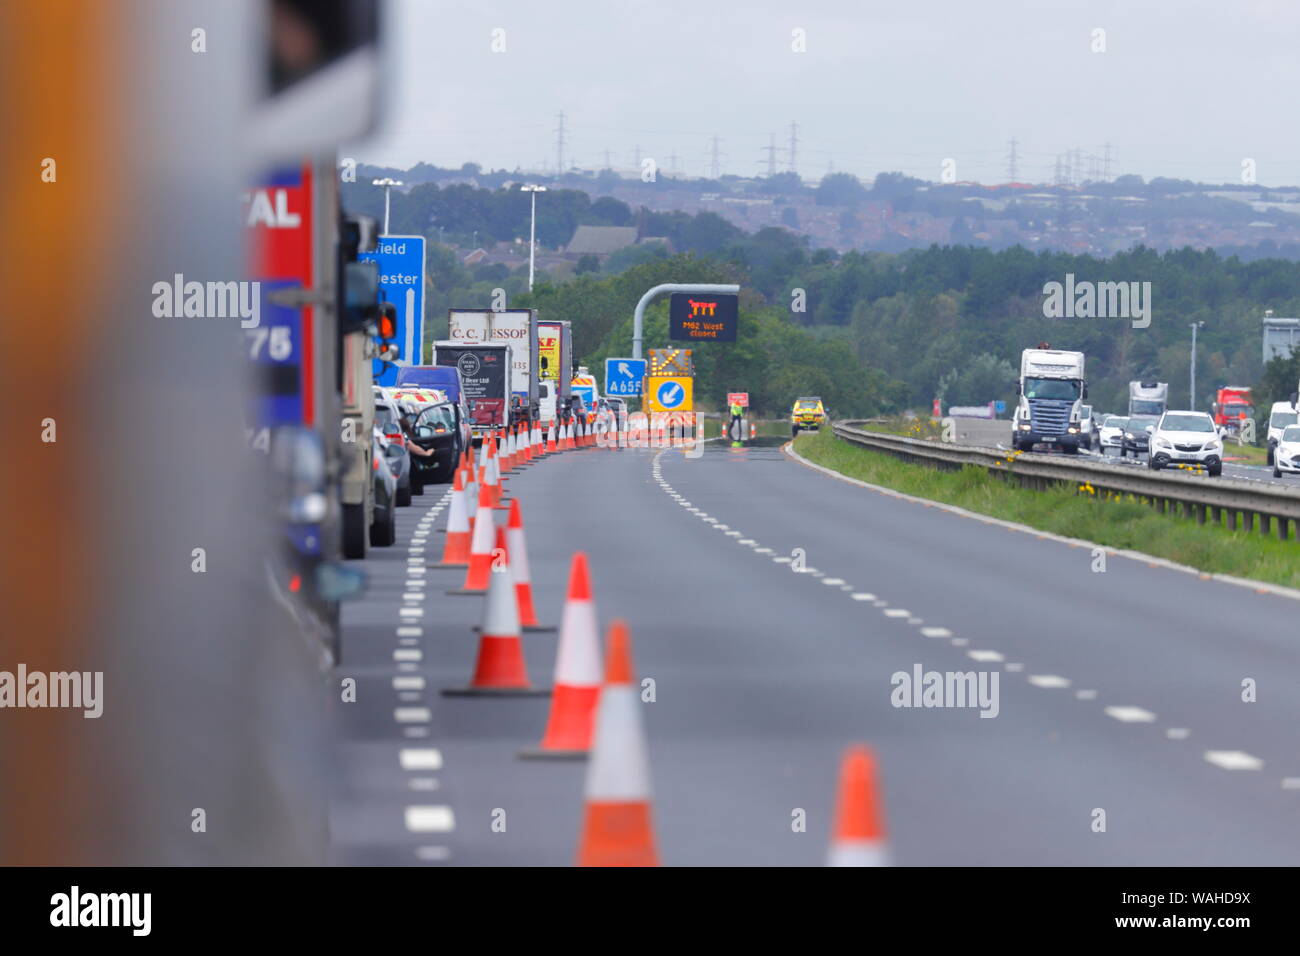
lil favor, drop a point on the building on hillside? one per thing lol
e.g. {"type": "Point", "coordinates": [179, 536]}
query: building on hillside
{"type": "Point", "coordinates": [1280, 336]}
{"type": "Point", "coordinates": [599, 241]}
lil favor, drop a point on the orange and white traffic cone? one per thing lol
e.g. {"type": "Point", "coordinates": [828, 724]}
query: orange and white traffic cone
{"type": "Point", "coordinates": [617, 829]}
{"type": "Point", "coordinates": [551, 446]}
{"type": "Point", "coordinates": [480, 550]}
{"type": "Point", "coordinates": [455, 548]}
{"type": "Point", "coordinates": [518, 546]}
{"type": "Point", "coordinates": [572, 721]}
{"type": "Point", "coordinates": [503, 452]}
{"type": "Point", "coordinates": [500, 667]}
{"type": "Point", "coordinates": [492, 471]}
{"type": "Point", "coordinates": [859, 837]}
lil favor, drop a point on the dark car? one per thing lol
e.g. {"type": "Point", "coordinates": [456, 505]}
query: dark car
{"type": "Point", "coordinates": [441, 430]}
{"type": "Point", "coordinates": [1137, 435]}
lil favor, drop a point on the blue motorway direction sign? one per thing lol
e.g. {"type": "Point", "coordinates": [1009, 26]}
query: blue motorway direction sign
{"type": "Point", "coordinates": [401, 282]}
{"type": "Point", "coordinates": [623, 376]}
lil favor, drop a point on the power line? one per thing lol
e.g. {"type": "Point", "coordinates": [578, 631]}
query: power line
{"type": "Point", "coordinates": [715, 163]}
{"type": "Point", "coordinates": [1013, 167]}
{"type": "Point", "coordinates": [794, 146]}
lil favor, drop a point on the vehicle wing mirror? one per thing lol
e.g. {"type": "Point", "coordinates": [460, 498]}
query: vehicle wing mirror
{"type": "Point", "coordinates": [424, 431]}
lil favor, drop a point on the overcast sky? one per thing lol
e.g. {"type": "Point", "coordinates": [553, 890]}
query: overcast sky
{"type": "Point", "coordinates": [1184, 88]}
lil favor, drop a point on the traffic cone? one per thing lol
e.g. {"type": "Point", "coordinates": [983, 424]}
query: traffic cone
{"type": "Point", "coordinates": [617, 829]}
{"type": "Point", "coordinates": [500, 667]}
{"type": "Point", "coordinates": [480, 550]}
{"type": "Point", "coordinates": [551, 447]}
{"type": "Point", "coordinates": [859, 837]}
{"type": "Point", "coordinates": [492, 473]}
{"type": "Point", "coordinates": [518, 545]}
{"type": "Point", "coordinates": [571, 723]}
{"type": "Point", "coordinates": [455, 549]}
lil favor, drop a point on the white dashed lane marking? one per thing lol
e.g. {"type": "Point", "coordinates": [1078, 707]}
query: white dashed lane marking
{"type": "Point", "coordinates": [1233, 760]}
{"type": "Point", "coordinates": [424, 758]}
{"type": "Point", "coordinates": [1131, 715]}
{"type": "Point", "coordinates": [1048, 680]}
{"type": "Point", "coordinates": [430, 819]}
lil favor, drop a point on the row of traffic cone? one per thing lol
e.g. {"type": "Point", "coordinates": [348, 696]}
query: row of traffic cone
{"type": "Point", "coordinates": [601, 719]}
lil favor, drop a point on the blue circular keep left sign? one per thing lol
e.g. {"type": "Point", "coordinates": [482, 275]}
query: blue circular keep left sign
{"type": "Point", "coordinates": [670, 395]}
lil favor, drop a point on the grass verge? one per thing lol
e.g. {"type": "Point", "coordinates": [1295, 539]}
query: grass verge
{"type": "Point", "coordinates": [1124, 524]}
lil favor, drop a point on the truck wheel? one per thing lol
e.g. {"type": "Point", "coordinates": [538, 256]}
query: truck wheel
{"type": "Point", "coordinates": [1277, 472]}
{"type": "Point", "coordinates": [384, 533]}
{"type": "Point", "coordinates": [1122, 451]}
{"type": "Point", "coordinates": [354, 531]}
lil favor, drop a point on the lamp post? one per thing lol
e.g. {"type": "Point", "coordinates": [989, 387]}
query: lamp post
{"type": "Point", "coordinates": [388, 185]}
{"type": "Point", "coordinates": [1192, 398]}
{"type": "Point", "coordinates": [532, 230]}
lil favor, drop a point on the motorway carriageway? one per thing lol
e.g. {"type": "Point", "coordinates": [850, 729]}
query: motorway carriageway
{"type": "Point", "coordinates": [1119, 691]}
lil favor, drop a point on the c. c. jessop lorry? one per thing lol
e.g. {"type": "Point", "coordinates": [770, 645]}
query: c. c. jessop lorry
{"type": "Point", "coordinates": [485, 374]}
{"type": "Point", "coordinates": [1052, 389]}
{"type": "Point", "coordinates": [1148, 398]}
{"type": "Point", "coordinates": [514, 327]}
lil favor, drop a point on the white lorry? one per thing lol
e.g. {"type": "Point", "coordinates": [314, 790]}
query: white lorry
{"type": "Point", "coordinates": [1052, 389]}
{"type": "Point", "coordinates": [1148, 398]}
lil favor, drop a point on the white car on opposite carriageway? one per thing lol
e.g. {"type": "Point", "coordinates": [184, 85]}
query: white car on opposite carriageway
{"type": "Point", "coordinates": [1186, 438]}
{"type": "Point", "coordinates": [1286, 454]}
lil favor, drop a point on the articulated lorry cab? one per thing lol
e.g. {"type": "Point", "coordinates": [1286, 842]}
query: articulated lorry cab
{"type": "Point", "coordinates": [1232, 406]}
{"type": "Point", "coordinates": [1052, 390]}
{"type": "Point", "coordinates": [1148, 398]}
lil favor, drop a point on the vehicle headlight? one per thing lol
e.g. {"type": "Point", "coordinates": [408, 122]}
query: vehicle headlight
{"type": "Point", "coordinates": [1213, 445]}
{"type": "Point", "coordinates": [1129, 435]}
{"type": "Point", "coordinates": [1024, 426]}
{"type": "Point", "coordinates": [1073, 429]}
{"type": "Point", "coordinates": [1161, 443]}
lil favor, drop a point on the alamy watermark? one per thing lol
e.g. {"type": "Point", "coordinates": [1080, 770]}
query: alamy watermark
{"type": "Point", "coordinates": [1098, 300]}
{"type": "Point", "coordinates": [922, 688]}
{"type": "Point", "coordinates": [208, 300]}
{"type": "Point", "coordinates": [73, 689]}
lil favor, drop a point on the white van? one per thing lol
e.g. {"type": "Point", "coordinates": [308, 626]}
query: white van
{"type": "Point", "coordinates": [1280, 416]}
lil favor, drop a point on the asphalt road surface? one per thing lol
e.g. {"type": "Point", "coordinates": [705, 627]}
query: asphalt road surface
{"type": "Point", "coordinates": [771, 604]}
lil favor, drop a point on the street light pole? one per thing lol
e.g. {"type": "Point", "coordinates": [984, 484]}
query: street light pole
{"type": "Point", "coordinates": [1192, 399]}
{"type": "Point", "coordinates": [388, 185]}
{"type": "Point", "coordinates": [532, 230]}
